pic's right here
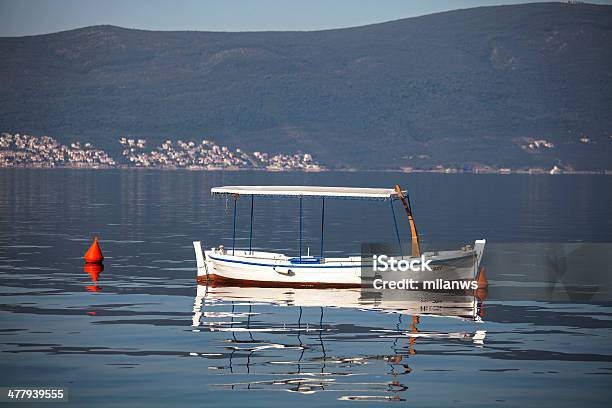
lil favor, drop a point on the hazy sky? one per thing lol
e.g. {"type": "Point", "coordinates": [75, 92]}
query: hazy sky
{"type": "Point", "coordinates": [27, 17]}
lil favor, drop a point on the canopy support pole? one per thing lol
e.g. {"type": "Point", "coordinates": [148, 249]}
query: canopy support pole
{"type": "Point", "coordinates": [300, 227]}
{"type": "Point", "coordinates": [251, 230]}
{"type": "Point", "coordinates": [322, 223]}
{"type": "Point", "coordinates": [234, 228]}
{"type": "Point", "coordinates": [416, 246]}
{"type": "Point", "coordinates": [399, 242]}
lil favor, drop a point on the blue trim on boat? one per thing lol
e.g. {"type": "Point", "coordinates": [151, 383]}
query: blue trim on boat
{"type": "Point", "coordinates": [304, 260]}
{"type": "Point", "coordinates": [285, 266]}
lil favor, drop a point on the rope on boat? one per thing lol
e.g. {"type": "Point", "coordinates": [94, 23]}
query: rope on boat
{"type": "Point", "coordinates": [399, 242]}
{"type": "Point", "coordinates": [234, 232]}
{"type": "Point", "coordinates": [251, 230]}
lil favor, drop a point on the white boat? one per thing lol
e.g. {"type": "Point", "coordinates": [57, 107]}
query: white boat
{"type": "Point", "coordinates": [248, 267]}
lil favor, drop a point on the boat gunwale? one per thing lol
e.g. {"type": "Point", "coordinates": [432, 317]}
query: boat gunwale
{"type": "Point", "coordinates": [339, 263]}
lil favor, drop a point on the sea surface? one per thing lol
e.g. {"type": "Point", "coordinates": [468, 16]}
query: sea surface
{"type": "Point", "coordinates": [141, 332]}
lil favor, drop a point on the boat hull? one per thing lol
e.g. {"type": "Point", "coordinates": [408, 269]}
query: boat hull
{"type": "Point", "coordinates": [266, 269]}
{"type": "Point", "coordinates": [262, 269]}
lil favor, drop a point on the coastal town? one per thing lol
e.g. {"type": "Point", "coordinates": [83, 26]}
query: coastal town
{"type": "Point", "coordinates": [43, 151]}
{"type": "Point", "coordinates": [207, 155]}
{"type": "Point", "coordinates": [19, 150]}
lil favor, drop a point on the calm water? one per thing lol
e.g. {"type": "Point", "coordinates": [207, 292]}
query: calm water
{"type": "Point", "coordinates": [144, 333]}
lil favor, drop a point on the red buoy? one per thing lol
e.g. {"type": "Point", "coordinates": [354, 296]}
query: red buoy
{"type": "Point", "coordinates": [94, 253]}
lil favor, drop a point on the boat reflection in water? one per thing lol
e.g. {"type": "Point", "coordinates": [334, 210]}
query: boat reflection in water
{"type": "Point", "coordinates": [299, 340]}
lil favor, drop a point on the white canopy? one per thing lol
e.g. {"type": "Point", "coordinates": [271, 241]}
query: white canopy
{"type": "Point", "coordinates": [312, 191]}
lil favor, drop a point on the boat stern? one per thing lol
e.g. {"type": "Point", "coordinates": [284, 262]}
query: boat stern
{"type": "Point", "coordinates": [200, 261]}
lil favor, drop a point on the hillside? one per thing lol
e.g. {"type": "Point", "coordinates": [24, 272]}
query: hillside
{"type": "Point", "coordinates": [455, 88]}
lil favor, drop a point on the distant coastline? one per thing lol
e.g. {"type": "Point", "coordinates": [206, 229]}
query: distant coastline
{"type": "Point", "coordinates": [20, 150]}
{"type": "Point", "coordinates": [25, 151]}
{"type": "Point", "coordinates": [529, 172]}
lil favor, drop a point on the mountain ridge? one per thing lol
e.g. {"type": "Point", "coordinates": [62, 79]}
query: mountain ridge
{"type": "Point", "coordinates": [464, 87]}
